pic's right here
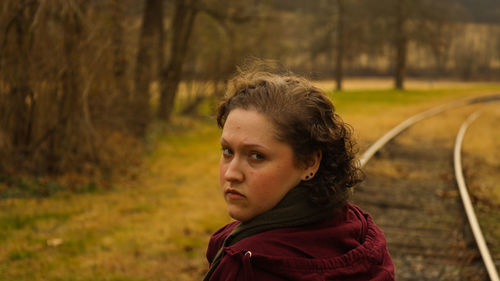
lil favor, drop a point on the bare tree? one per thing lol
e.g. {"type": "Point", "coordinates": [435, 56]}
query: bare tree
{"type": "Point", "coordinates": [400, 42]}
{"type": "Point", "coordinates": [400, 22]}
{"type": "Point", "coordinates": [16, 114]}
{"type": "Point", "coordinates": [340, 44]}
{"type": "Point", "coordinates": [182, 26]}
{"type": "Point", "coordinates": [57, 77]}
{"type": "Point", "coordinates": [150, 33]}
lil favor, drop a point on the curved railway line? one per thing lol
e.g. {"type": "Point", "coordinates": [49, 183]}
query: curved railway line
{"type": "Point", "coordinates": [412, 194]}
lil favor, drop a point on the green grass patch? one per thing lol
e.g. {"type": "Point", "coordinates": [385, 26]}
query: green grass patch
{"type": "Point", "coordinates": [358, 101]}
{"type": "Point", "coordinates": [16, 221]}
{"type": "Point", "coordinates": [123, 278]}
{"type": "Point", "coordinates": [28, 187]}
{"type": "Point", "coordinates": [21, 255]}
{"type": "Point", "coordinates": [40, 187]}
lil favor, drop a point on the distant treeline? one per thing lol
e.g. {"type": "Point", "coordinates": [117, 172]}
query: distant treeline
{"type": "Point", "coordinates": [81, 80]}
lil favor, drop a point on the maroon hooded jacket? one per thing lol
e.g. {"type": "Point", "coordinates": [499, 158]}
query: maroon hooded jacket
{"type": "Point", "coordinates": [348, 247]}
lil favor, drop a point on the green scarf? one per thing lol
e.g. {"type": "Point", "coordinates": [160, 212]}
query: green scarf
{"type": "Point", "coordinates": [293, 210]}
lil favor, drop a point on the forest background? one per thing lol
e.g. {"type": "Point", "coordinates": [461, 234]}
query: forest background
{"type": "Point", "coordinates": [89, 88]}
{"type": "Point", "coordinates": [82, 83]}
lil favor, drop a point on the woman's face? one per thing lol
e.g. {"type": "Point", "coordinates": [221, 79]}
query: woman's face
{"type": "Point", "coordinates": [256, 170]}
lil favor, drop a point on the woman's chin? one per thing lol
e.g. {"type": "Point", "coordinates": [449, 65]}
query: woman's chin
{"type": "Point", "coordinates": [238, 214]}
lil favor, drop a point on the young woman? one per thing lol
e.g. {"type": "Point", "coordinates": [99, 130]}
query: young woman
{"type": "Point", "coordinates": [286, 171]}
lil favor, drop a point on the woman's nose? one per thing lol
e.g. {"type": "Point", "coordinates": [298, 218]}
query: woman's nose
{"type": "Point", "coordinates": [233, 171]}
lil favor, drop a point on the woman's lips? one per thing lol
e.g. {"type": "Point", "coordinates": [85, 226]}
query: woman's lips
{"type": "Point", "coordinates": [234, 194]}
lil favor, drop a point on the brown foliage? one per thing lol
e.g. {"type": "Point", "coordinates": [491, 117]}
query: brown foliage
{"type": "Point", "coordinates": [63, 88]}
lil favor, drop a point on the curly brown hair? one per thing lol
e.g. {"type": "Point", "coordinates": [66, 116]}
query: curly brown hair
{"type": "Point", "coordinates": [305, 118]}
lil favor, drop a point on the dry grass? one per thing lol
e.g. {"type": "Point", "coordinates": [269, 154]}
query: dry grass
{"type": "Point", "coordinates": [155, 228]}
{"type": "Point", "coordinates": [481, 166]}
{"type": "Point", "coordinates": [481, 163]}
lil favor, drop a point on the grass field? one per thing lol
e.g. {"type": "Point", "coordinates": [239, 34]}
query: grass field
{"type": "Point", "coordinates": [157, 227]}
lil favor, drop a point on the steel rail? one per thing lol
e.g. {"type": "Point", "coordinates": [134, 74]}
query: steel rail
{"type": "Point", "coordinates": [377, 145]}
{"type": "Point", "coordinates": [469, 209]}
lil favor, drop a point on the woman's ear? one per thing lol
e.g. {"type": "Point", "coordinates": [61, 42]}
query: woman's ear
{"type": "Point", "coordinates": [312, 165]}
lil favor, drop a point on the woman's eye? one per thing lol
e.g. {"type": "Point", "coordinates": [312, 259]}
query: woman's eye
{"type": "Point", "coordinates": [227, 152]}
{"type": "Point", "coordinates": [257, 156]}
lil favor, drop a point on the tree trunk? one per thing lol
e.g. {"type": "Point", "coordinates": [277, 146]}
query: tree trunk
{"type": "Point", "coordinates": [119, 57]}
{"type": "Point", "coordinates": [143, 69]}
{"type": "Point", "coordinates": [182, 26]}
{"type": "Point", "coordinates": [70, 132]}
{"type": "Point", "coordinates": [401, 42]}
{"type": "Point", "coordinates": [17, 115]}
{"type": "Point", "coordinates": [340, 45]}
{"type": "Point", "coordinates": [120, 103]}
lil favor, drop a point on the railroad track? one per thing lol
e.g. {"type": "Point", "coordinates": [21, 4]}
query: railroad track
{"type": "Point", "coordinates": [412, 193]}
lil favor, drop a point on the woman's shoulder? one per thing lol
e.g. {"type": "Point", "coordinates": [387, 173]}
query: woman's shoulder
{"type": "Point", "coordinates": [224, 231]}
{"type": "Point", "coordinates": [350, 243]}
{"type": "Point", "coordinates": [217, 239]}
